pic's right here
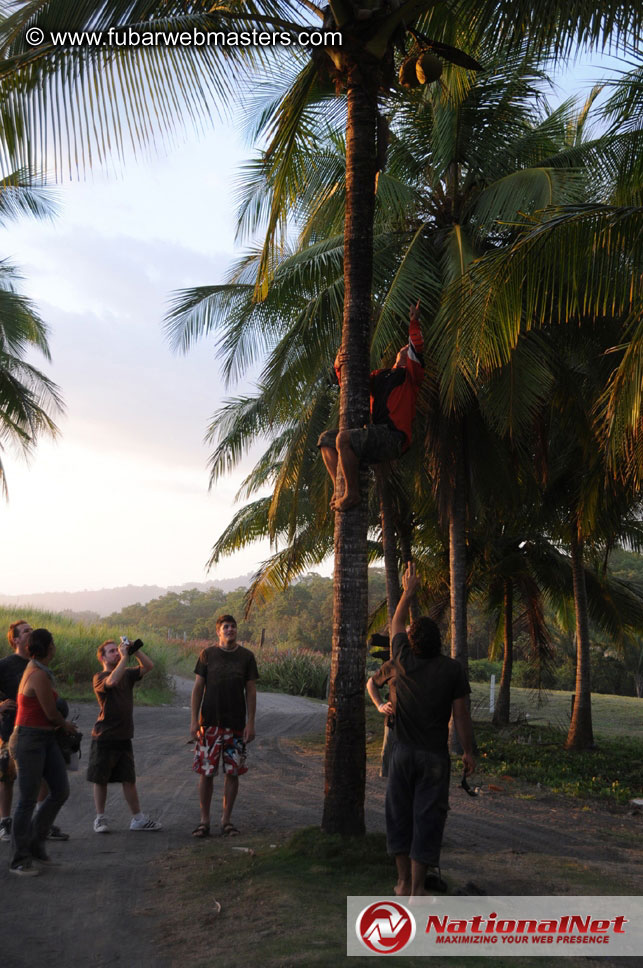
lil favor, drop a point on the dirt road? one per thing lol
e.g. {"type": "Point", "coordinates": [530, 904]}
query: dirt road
{"type": "Point", "coordinates": [95, 910]}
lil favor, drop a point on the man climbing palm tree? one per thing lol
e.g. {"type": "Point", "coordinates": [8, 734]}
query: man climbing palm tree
{"type": "Point", "coordinates": [393, 396]}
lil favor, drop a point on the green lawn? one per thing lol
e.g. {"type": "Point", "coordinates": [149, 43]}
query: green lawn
{"type": "Point", "coordinates": [611, 715]}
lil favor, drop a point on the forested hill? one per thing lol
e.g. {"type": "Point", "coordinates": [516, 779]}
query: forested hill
{"type": "Point", "coordinates": [102, 601]}
{"type": "Point", "coordinates": [300, 617]}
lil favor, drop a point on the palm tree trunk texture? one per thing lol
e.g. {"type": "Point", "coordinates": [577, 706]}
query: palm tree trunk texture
{"type": "Point", "coordinates": [580, 736]}
{"type": "Point", "coordinates": [458, 572]}
{"type": "Point", "coordinates": [345, 761]}
{"type": "Point", "coordinates": [457, 582]}
{"type": "Point", "coordinates": [389, 543]}
{"type": "Point", "coordinates": [501, 712]}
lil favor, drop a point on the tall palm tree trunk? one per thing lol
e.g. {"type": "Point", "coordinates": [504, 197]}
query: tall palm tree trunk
{"type": "Point", "coordinates": [389, 543]}
{"type": "Point", "coordinates": [458, 579]}
{"type": "Point", "coordinates": [580, 736]}
{"type": "Point", "coordinates": [345, 761]}
{"type": "Point", "coordinates": [501, 712]}
{"type": "Point", "coordinates": [458, 570]}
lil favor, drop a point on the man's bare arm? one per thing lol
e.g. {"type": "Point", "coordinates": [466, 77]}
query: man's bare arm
{"type": "Point", "coordinates": [195, 704]}
{"type": "Point", "coordinates": [251, 703]}
{"type": "Point", "coordinates": [386, 708]}
{"type": "Point", "coordinates": [464, 729]}
{"type": "Point", "coordinates": [145, 664]}
{"type": "Point", "coordinates": [410, 583]}
{"type": "Point", "coordinates": [117, 674]}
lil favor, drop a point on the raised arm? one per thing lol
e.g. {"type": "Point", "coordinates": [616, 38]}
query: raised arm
{"type": "Point", "coordinates": [410, 583]}
{"type": "Point", "coordinates": [117, 674]}
{"type": "Point", "coordinates": [145, 664]}
{"type": "Point", "coordinates": [416, 342]}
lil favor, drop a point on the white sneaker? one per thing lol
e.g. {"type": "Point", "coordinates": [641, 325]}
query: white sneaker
{"type": "Point", "coordinates": [145, 824]}
{"type": "Point", "coordinates": [5, 830]}
{"type": "Point", "coordinates": [100, 825]}
{"type": "Point", "coordinates": [25, 869]}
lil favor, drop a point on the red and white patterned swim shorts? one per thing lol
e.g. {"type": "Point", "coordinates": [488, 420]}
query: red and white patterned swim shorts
{"type": "Point", "coordinates": [213, 743]}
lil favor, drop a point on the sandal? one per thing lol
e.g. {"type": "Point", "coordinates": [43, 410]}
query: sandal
{"type": "Point", "coordinates": [203, 830]}
{"type": "Point", "coordinates": [229, 830]}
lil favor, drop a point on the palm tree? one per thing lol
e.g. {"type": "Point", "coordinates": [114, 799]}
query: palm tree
{"type": "Point", "coordinates": [364, 66]}
{"type": "Point", "coordinates": [28, 398]}
{"type": "Point", "coordinates": [580, 265]}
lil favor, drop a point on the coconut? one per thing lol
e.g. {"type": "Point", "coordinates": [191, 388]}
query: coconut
{"type": "Point", "coordinates": [428, 68]}
{"type": "Point", "coordinates": [408, 73]}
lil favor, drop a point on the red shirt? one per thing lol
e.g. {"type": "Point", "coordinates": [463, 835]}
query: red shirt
{"type": "Point", "coordinates": [31, 713]}
{"type": "Point", "coordinates": [394, 391]}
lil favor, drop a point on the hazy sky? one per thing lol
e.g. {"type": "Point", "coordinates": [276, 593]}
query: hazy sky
{"type": "Point", "coordinates": [122, 496]}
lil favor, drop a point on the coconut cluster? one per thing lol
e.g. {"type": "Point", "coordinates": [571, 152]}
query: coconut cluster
{"type": "Point", "coordinates": [420, 69]}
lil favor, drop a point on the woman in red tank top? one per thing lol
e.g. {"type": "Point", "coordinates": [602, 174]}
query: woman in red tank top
{"type": "Point", "coordinates": [38, 755]}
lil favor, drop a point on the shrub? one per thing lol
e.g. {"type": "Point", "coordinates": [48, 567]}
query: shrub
{"type": "Point", "coordinates": [299, 672]}
{"type": "Point", "coordinates": [481, 670]}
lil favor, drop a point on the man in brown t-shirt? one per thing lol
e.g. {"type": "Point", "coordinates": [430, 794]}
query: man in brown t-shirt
{"type": "Point", "coordinates": [111, 759]}
{"type": "Point", "coordinates": [224, 690]}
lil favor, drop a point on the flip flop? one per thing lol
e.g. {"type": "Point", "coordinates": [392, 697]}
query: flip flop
{"type": "Point", "coordinates": [433, 882]}
{"type": "Point", "coordinates": [203, 830]}
{"type": "Point", "coordinates": [229, 830]}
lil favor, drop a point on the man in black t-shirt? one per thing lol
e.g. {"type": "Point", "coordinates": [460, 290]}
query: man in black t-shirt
{"type": "Point", "coordinates": [429, 687]}
{"type": "Point", "coordinates": [111, 758]}
{"type": "Point", "coordinates": [224, 690]}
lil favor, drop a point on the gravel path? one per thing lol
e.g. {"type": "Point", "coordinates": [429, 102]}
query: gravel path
{"type": "Point", "coordinates": [95, 910]}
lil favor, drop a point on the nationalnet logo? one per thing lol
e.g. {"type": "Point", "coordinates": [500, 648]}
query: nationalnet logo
{"type": "Point", "coordinates": [570, 929]}
{"type": "Point", "coordinates": [496, 926]}
{"type": "Point", "coordinates": [385, 927]}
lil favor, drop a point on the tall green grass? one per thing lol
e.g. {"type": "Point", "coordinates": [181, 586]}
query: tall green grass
{"type": "Point", "coordinates": [75, 661]}
{"type": "Point", "coordinates": [299, 672]}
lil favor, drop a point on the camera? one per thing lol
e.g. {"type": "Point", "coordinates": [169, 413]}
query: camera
{"type": "Point", "coordinates": [132, 647]}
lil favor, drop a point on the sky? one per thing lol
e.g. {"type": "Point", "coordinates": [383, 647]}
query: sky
{"type": "Point", "coordinates": [121, 497]}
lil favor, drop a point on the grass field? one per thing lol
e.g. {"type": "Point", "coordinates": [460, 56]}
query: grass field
{"type": "Point", "coordinates": [294, 892]}
{"type": "Point", "coordinates": [611, 715]}
{"type": "Point", "coordinates": [75, 661]}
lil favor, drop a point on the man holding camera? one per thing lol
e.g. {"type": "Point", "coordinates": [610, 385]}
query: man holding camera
{"type": "Point", "coordinates": [111, 759]}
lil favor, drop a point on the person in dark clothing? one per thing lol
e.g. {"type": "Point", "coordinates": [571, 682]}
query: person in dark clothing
{"type": "Point", "coordinates": [393, 399]}
{"type": "Point", "coordinates": [11, 670]}
{"type": "Point", "coordinates": [428, 688]}
{"type": "Point", "coordinates": [35, 748]}
{"type": "Point", "coordinates": [111, 758]}
{"type": "Point", "coordinates": [223, 706]}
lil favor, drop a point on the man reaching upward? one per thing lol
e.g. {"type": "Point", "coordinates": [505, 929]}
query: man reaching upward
{"type": "Point", "coordinates": [428, 688]}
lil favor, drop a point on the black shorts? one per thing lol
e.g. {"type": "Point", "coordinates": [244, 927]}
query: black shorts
{"type": "Point", "coordinates": [111, 761]}
{"type": "Point", "coordinates": [372, 444]}
{"type": "Point", "coordinates": [417, 801]}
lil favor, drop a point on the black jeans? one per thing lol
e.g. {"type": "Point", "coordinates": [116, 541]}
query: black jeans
{"type": "Point", "coordinates": [39, 757]}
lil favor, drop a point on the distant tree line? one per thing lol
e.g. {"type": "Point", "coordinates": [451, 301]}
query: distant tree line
{"type": "Point", "coordinates": [300, 617]}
